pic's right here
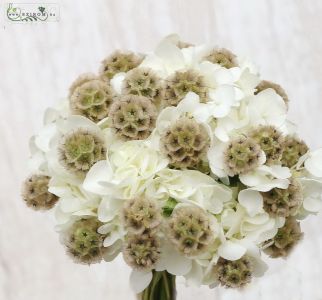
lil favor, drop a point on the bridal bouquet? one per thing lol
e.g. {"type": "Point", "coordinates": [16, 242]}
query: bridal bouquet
{"type": "Point", "coordinates": [182, 161]}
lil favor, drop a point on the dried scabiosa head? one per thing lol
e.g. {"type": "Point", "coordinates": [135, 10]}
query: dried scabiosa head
{"type": "Point", "coordinates": [222, 57]}
{"type": "Point", "coordinates": [83, 242]}
{"type": "Point", "coordinates": [283, 202]}
{"type": "Point", "coordinates": [286, 239]}
{"type": "Point", "coordinates": [293, 149]}
{"type": "Point", "coordinates": [143, 82]}
{"type": "Point", "coordinates": [141, 215]}
{"type": "Point", "coordinates": [35, 193]}
{"type": "Point", "coordinates": [264, 84]}
{"type": "Point", "coordinates": [133, 117]}
{"type": "Point", "coordinates": [242, 155]}
{"type": "Point", "coordinates": [185, 143]}
{"type": "Point", "coordinates": [189, 230]}
{"type": "Point", "coordinates": [271, 141]}
{"type": "Point", "coordinates": [92, 99]}
{"type": "Point", "coordinates": [119, 62]}
{"type": "Point", "coordinates": [178, 85]}
{"type": "Point", "coordinates": [80, 150]}
{"type": "Point", "coordinates": [141, 252]}
{"type": "Point", "coordinates": [80, 81]}
{"type": "Point", "coordinates": [233, 274]}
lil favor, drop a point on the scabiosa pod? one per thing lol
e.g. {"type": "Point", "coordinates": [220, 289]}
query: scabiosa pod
{"type": "Point", "coordinates": [179, 84]}
{"type": "Point", "coordinates": [80, 150]}
{"type": "Point", "coordinates": [84, 244]}
{"type": "Point", "coordinates": [80, 81]}
{"type": "Point", "coordinates": [119, 62]}
{"type": "Point", "coordinates": [35, 193]}
{"type": "Point", "coordinates": [293, 149]}
{"type": "Point", "coordinates": [264, 84]}
{"type": "Point", "coordinates": [222, 57]}
{"type": "Point", "coordinates": [143, 82]}
{"type": "Point", "coordinates": [142, 252]}
{"type": "Point", "coordinates": [233, 274]}
{"type": "Point", "coordinates": [189, 229]}
{"type": "Point", "coordinates": [133, 117]}
{"type": "Point", "coordinates": [285, 240]}
{"type": "Point", "coordinates": [284, 202]}
{"type": "Point", "coordinates": [141, 215]}
{"type": "Point", "coordinates": [185, 143]}
{"type": "Point", "coordinates": [92, 99]}
{"type": "Point", "coordinates": [242, 155]}
{"type": "Point", "coordinates": [271, 140]}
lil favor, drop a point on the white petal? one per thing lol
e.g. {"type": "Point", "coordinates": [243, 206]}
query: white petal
{"type": "Point", "coordinates": [251, 200]}
{"type": "Point", "coordinates": [117, 82]}
{"type": "Point", "coordinates": [314, 163]}
{"type": "Point", "coordinates": [231, 251]}
{"type": "Point", "coordinates": [101, 172]}
{"type": "Point", "coordinates": [108, 209]}
{"type": "Point", "coordinates": [140, 280]}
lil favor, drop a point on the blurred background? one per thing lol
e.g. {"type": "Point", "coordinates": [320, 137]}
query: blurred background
{"type": "Point", "coordinates": [38, 62]}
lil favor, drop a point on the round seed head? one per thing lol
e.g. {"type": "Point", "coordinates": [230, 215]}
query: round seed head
{"type": "Point", "coordinates": [283, 202]}
{"type": "Point", "coordinates": [222, 57]}
{"type": "Point", "coordinates": [189, 230]}
{"type": "Point", "coordinates": [133, 117]}
{"type": "Point", "coordinates": [293, 149]}
{"type": "Point", "coordinates": [80, 81]}
{"type": "Point", "coordinates": [141, 215]}
{"type": "Point", "coordinates": [92, 99]}
{"type": "Point", "coordinates": [185, 143]}
{"type": "Point", "coordinates": [233, 274]}
{"type": "Point", "coordinates": [143, 82]}
{"type": "Point", "coordinates": [141, 252]}
{"type": "Point", "coordinates": [80, 150]}
{"type": "Point", "coordinates": [286, 239]}
{"type": "Point", "coordinates": [35, 193]}
{"type": "Point", "coordinates": [84, 244]}
{"type": "Point", "coordinates": [264, 84]}
{"type": "Point", "coordinates": [119, 62]}
{"type": "Point", "coordinates": [178, 85]}
{"type": "Point", "coordinates": [271, 142]}
{"type": "Point", "coordinates": [242, 155]}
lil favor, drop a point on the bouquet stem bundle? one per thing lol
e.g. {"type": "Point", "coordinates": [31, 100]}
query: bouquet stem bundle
{"type": "Point", "coordinates": [161, 287]}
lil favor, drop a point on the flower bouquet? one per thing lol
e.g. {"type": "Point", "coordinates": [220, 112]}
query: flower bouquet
{"type": "Point", "coordinates": [183, 161]}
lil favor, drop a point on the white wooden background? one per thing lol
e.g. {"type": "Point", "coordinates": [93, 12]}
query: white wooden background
{"type": "Point", "coordinates": [37, 65]}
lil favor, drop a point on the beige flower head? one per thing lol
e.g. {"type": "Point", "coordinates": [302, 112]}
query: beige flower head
{"type": "Point", "coordinates": [92, 99]}
{"type": "Point", "coordinates": [185, 143]}
{"type": "Point", "coordinates": [35, 193]}
{"type": "Point", "coordinates": [233, 274]}
{"type": "Point", "coordinates": [178, 85]}
{"type": "Point", "coordinates": [141, 252]}
{"type": "Point", "coordinates": [271, 141]}
{"type": "Point", "coordinates": [264, 84]}
{"type": "Point", "coordinates": [83, 242]}
{"type": "Point", "coordinates": [119, 62]}
{"type": "Point", "coordinates": [189, 230]}
{"type": "Point", "coordinates": [286, 239]}
{"type": "Point", "coordinates": [293, 149]}
{"type": "Point", "coordinates": [283, 202]}
{"type": "Point", "coordinates": [143, 82]}
{"type": "Point", "coordinates": [80, 150]}
{"type": "Point", "coordinates": [222, 57]}
{"type": "Point", "coordinates": [242, 155]}
{"type": "Point", "coordinates": [80, 81]}
{"type": "Point", "coordinates": [141, 215]}
{"type": "Point", "coordinates": [133, 117]}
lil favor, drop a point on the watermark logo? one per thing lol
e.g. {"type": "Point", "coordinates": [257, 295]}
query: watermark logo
{"type": "Point", "coordinates": [32, 12]}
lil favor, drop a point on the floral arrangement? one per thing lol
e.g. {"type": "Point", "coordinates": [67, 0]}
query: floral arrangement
{"type": "Point", "coordinates": [183, 161]}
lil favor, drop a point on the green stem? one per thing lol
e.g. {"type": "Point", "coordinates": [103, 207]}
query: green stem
{"type": "Point", "coordinates": [161, 287]}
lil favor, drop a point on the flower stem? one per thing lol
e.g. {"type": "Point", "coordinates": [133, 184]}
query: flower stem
{"type": "Point", "coordinates": [161, 287]}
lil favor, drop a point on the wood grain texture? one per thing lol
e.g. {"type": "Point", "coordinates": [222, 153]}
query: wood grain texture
{"type": "Point", "coordinates": [38, 63]}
